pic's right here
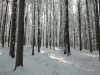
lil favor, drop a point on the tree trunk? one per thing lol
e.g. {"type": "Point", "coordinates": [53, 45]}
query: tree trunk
{"type": "Point", "coordinates": [60, 40]}
{"type": "Point", "coordinates": [13, 29]}
{"type": "Point", "coordinates": [4, 23]}
{"type": "Point", "coordinates": [66, 33]}
{"type": "Point", "coordinates": [98, 27]}
{"type": "Point", "coordinates": [47, 24]}
{"type": "Point", "coordinates": [53, 26]}
{"type": "Point", "coordinates": [39, 35]}
{"type": "Point", "coordinates": [50, 30]}
{"type": "Point", "coordinates": [79, 15]}
{"type": "Point", "coordinates": [1, 16]}
{"type": "Point", "coordinates": [90, 42]}
{"type": "Point", "coordinates": [33, 30]}
{"type": "Point", "coordinates": [19, 54]}
{"type": "Point", "coordinates": [9, 31]}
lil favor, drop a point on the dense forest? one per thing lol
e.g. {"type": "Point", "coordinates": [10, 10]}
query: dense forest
{"type": "Point", "coordinates": [64, 24]}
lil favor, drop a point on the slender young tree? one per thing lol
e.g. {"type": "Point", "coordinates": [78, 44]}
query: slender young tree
{"type": "Point", "coordinates": [85, 42]}
{"type": "Point", "coordinates": [19, 54]}
{"type": "Point", "coordinates": [60, 40]}
{"type": "Point", "coordinates": [33, 22]}
{"type": "Point", "coordinates": [79, 15]}
{"type": "Point", "coordinates": [9, 30]}
{"type": "Point", "coordinates": [1, 15]}
{"type": "Point", "coordinates": [66, 33]}
{"type": "Point", "coordinates": [4, 23]}
{"type": "Point", "coordinates": [74, 31]}
{"type": "Point", "coordinates": [47, 24]}
{"type": "Point", "coordinates": [39, 34]}
{"type": "Point", "coordinates": [50, 30]}
{"type": "Point", "coordinates": [53, 26]}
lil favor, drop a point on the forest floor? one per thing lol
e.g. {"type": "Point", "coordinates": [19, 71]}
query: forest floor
{"type": "Point", "coordinates": [51, 62]}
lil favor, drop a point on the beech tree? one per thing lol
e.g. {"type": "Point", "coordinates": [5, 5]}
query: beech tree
{"type": "Point", "coordinates": [88, 17]}
{"type": "Point", "coordinates": [97, 26]}
{"type": "Point", "coordinates": [13, 29]}
{"type": "Point", "coordinates": [79, 15]}
{"type": "Point", "coordinates": [19, 53]}
{"type": "Point", "coordinates": [66, 33]}
{"type": "Point", "coordinates": [1, 15]}
{"type": "Point", "coordinates": [39, 33]}
{"type": "Point", "coordinates": [33, 23]}
{"type": "Point", "coordinates": [4, 24]}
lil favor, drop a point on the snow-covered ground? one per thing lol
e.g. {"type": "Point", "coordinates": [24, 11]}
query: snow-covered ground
{"type": "Point", "coordinates": [51, 62]}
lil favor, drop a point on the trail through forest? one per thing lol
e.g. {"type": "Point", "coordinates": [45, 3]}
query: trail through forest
{"type": "Point", "coordinates": [51, 62]}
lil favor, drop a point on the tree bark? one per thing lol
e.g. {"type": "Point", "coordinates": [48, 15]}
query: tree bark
{"type": "Point", "coordinates": [39, 34]}
{"type": "Point", "coordinates": [90, 42]}
{"type": "Point", "coordinates": [33, 30]}
{"type": "Point", "coordinates": [19, 54]}
{"type": "Point", "coordinates": [79, 15]}
{"type": "Point", "coordinates": [4, 23]}
{"type": "Point", "coordinates": [66, 33]}
{"type": "Point", "coordinates": [13, 29]}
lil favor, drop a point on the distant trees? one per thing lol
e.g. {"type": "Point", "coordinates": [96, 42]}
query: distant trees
{"type": "Point", "coordinates": [51, 24]}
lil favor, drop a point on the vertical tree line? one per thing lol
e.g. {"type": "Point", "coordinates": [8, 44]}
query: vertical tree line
{"type": "Point", "coordinates": [50, 24]}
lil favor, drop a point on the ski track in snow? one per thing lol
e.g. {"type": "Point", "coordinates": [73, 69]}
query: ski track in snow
{"type": "Point", "coordinates": [51, 62]}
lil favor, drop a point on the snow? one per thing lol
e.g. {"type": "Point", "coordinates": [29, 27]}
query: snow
{"type": "Point", "coordinates": [51, 62]}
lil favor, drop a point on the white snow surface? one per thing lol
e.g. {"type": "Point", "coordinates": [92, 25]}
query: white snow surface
{"type": "Point", "coordinates": [51, 62]}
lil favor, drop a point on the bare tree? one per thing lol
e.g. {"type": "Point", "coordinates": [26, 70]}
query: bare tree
{"type": "Point", "coordinates": [4, 23]}
{"type": "Point", "coordinates": [66, 33]}
{"type": "Point", "coordinates": [19, 53]}
{"type": "Point", "coordinates": [13, 29]}
{"type": "Point", "coordinates": [90, 42]}
{"type": "Point", "coordinates": [79, 15]}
